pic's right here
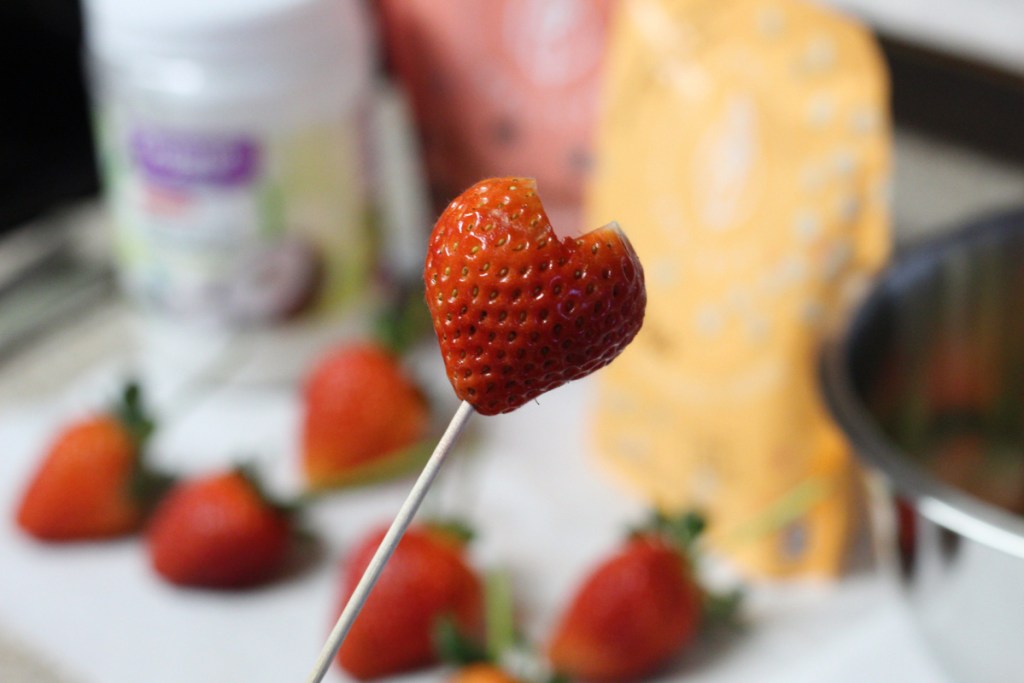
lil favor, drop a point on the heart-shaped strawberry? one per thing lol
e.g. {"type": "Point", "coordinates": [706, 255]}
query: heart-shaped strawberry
{"type": "Point", "coordinates": [517, 308]}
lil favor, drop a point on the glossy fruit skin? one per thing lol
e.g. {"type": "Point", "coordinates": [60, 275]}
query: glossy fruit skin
{"type": "Point", "coordinates": [632, 615]}
{"type": "Point", "coordinates": [427, 578]}
{"type": "Point", "coordinates": [82, 490]}
{"type": "Point", "coordinates": [360, 408]}
{"type": "Point", "coordinates": [519, 311]}
{"type": "Point", "coordinates": [218, 532]}
{"type": "Point", "coordinates": [482, 673]}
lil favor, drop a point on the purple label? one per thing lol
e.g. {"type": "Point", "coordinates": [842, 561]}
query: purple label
{"type": "Point", "coordinates": [179, 158]}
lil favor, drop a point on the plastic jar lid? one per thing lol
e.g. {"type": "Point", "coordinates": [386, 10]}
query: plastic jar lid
{"type": "Point", "coordinates": [263, 42]}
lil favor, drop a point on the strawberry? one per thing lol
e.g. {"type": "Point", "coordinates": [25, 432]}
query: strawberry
{"type": "Point", "coordinates": [92, 482]}
{"type": "Point", "coordinates": [219, 531]}
{"type": "Point", "coordinates": [482, 673]}
{"type": "Point", "coordinates": [636, 610]}
{"type": "Point", "coordinates": [426, 582]}
{"type": "Point", "coordinates": [364, 417]}
{"type": "Point", "coordinates": [519, 310]}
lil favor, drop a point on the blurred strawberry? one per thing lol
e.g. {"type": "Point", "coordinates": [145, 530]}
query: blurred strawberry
{"type": "Point", "coordinates": [960, 376]}
{"type": "Point", "coordinates": [93, 482]}
{"type": "Point", "coordinates": [637, 610]}
{"type": "Point", "coordinates": [220, 531]}
{"type": "Point", "coordinates": [364, 418]}
{"type": "Point", "coordinates": [482, 673]}
{"type": "Point", "coordinates": [426, 581]}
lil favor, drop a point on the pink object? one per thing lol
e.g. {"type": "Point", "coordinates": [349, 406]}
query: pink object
{"type": "Point", "coordinates": [503, 87]}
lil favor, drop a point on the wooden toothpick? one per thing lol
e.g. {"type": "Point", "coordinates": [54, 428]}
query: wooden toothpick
{"type": "Point", "coordinates": [389, 543]}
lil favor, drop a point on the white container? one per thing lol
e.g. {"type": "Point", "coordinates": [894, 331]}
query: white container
{"type": "Point", "coordinates": [231, 147]}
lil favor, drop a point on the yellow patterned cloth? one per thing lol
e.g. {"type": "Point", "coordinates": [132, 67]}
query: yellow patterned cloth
{"type": "Point", "coordinates": [745, 148]}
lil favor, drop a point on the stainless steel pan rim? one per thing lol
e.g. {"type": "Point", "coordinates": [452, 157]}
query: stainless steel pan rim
{"type": "Point", "coordinates": [935, 500]}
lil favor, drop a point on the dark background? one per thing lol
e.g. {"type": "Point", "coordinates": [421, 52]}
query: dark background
{"type": "Point", "coordinates": [46, 155]}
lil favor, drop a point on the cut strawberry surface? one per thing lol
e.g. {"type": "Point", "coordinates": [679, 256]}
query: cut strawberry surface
{"type": "Point", "coordinates": [519, 309]}
{"type": "Point", "coordinates": [364, 418]}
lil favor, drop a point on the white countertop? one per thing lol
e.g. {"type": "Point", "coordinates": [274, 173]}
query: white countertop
{"type": "Point", "coordinates": [97, 614]}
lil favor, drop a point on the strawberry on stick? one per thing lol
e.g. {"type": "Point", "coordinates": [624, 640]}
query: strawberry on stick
{"type": "Point", "coordinates": [518, 310]}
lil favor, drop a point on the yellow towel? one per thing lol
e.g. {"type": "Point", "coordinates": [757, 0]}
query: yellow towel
{"type": "Point", "coordinates": [745, 148]}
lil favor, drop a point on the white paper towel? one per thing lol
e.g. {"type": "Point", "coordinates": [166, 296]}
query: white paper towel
{"type": "Point", "coordinates": [524, 479]}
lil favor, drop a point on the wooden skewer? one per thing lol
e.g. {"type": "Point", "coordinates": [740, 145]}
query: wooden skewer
{"type": "Point", "coordinates": [389, 543]}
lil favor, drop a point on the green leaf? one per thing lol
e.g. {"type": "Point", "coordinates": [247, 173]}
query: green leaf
{"type": "Point", "coordinates": [132, 413]}
{"type": "Point", "coordinates": [722, 610]}
{"type": "Point", "coordinates": [248, 471]}
{"type": "Point", "coordinates": [453, 646]}
{"type": "Point", "coordinates": [681, 530]}
{"type": "Point", "coordinates": [149, 486]}
{"type": "Point", "coordinates": [405, 319]}
{"type": "Point", "coordinates": [499, 615]}
{"type": "Point", "coordinates": [686, 528]}
{"type": "Point", "coordinates": [451, 527]}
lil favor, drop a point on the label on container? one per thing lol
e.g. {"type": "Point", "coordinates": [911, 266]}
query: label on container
{"type": "Point", "coordinates": [188, 159]}
{"type": "Point", "coordinates": [238, 226]}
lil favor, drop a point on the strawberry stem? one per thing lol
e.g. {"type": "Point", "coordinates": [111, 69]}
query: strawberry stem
{"type": "Point", "coordinates": [132, 413]}
{"type": "Point", "coordinates": [455, 529]}
{"type": "Point", "coordinates": [247, 470]}
{"type": "Point", "coordinates": [682, 530]}
{"type": "Point", "coordinates": [148, 485]}
{"type": "Point", "coordinates": [453, 646]}
{"type": "Point", "coordinates": [499, 615]}
{"type": "Point", "coordinates": [722, 610]}
{"type": "Point", "coordinates": [405, 319]}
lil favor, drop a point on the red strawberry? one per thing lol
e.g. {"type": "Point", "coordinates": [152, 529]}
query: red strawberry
{"type": "Point", "coordinates": [92, 483]}
{"type": "Point", "coordinates": [635, 611]}
{"type": "Point", "coordinates": [426, 581]}
{"type": "Point", "coordinates": [519, 310]}
{"type": "Point", "coordinates": [364, 417]}
{"type": "Point", "coordinates": [219, 532]}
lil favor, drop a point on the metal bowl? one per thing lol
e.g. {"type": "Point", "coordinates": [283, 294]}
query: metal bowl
{"type": "Point", "coordinates": [927, 381]}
